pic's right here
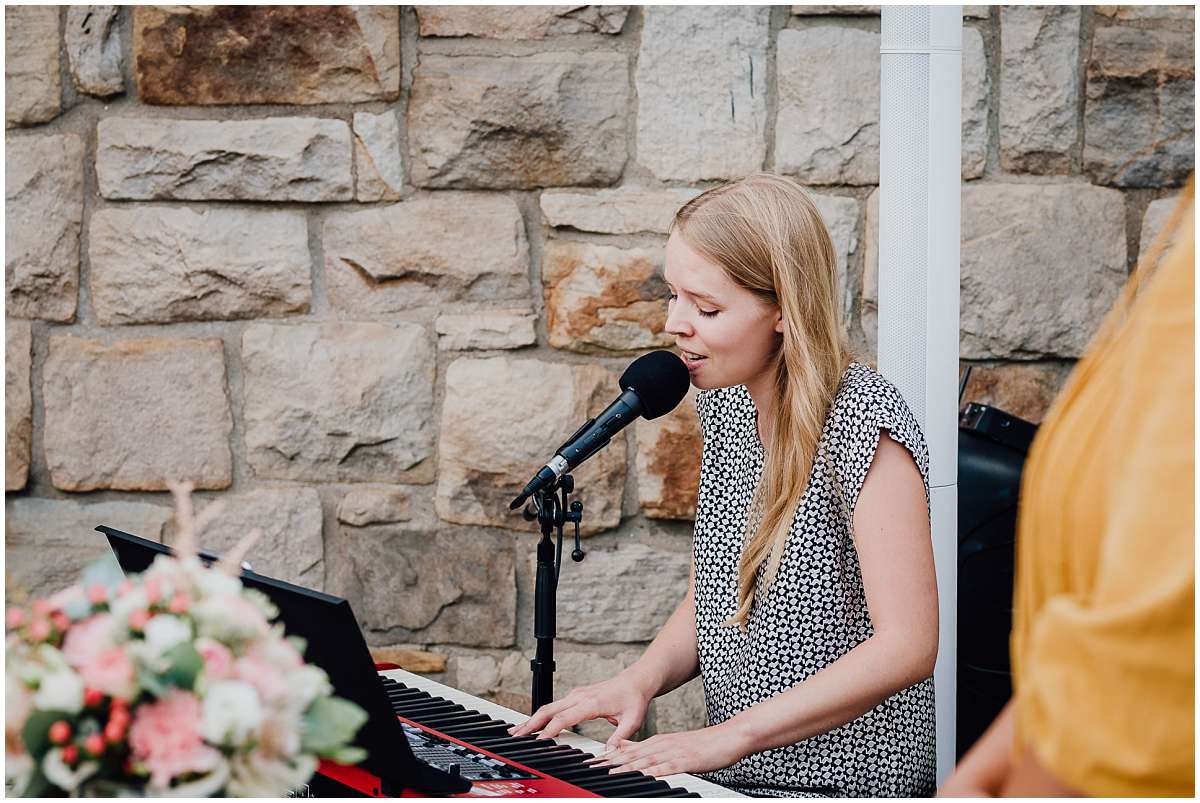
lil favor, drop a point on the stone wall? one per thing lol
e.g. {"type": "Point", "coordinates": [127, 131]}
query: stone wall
{"type": "Point", "coordinates": [358, 271]}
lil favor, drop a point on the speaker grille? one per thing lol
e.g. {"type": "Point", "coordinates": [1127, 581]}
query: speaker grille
{"type": "Point", "coordinates": [904, 225]}
{"type": "Point", "coordinates": [904, 28]}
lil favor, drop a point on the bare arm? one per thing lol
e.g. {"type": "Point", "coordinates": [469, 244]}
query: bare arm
{"type": "Point", "coordinates": [891, 532]}
{"type": "Point", "coordinates": [895, 552]}
{"type": "Point", "coordinates": [670, 661]}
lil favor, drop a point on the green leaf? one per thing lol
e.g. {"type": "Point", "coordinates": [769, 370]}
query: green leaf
{"type": "Point", "coordinates": [330, 723]}
{"type": "Point", "coordinates": [185, 666]}
{"type": "Point", "coordinates": [105, 570]}
{"type": "Point", "coordinates": [36, 731]}
{"type": "Point", "coordinates": [347, 755]}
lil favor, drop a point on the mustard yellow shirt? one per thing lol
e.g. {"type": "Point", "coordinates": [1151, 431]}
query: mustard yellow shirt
{"type": "Point", "coordinates": [1103, 641]}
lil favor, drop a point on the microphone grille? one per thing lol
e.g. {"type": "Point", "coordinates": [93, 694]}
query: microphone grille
{"type": "Point", "coordinates": [660, 380]}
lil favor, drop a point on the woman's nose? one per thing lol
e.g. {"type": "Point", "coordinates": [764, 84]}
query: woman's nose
{"type": "Point", "coordinates": [677, 323]}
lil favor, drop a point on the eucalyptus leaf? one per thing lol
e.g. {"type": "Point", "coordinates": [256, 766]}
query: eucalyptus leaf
{"type": "Point", "coordinates": [185, 666]}
{"type": "Point", "coordinates": [36, 731]}
{"type": "Point", "coordinates": [329, 723]}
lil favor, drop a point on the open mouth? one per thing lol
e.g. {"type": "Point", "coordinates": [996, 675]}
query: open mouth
{"type": "Point", "coordinates": [692, 360]}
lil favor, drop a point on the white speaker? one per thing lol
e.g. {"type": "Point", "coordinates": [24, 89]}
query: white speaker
{"type": "Point", "coordinates": [919, 206]}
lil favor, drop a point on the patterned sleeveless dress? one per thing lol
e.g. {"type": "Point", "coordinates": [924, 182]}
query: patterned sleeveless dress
{"type": "Point", "coordinates": [815, 611]}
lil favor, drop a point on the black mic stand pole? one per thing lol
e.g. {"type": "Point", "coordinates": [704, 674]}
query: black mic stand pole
{"type": "Point", "coordinates": [552, 513]}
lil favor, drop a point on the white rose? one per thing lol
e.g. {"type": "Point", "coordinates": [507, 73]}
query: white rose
{"type": "Point", "coordinates": [60, 691]}
{"type": "Point", "coordinates": [132, 600]}
{"type": "Point", "coordinates": [232, 713]}
{"type": "Point", "coordinates": [213, 583]}
{"type": "Point", "coordinates": [165, 631]}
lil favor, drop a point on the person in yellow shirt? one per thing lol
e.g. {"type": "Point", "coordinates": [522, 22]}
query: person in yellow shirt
{"type": "Point", "coordinates": [1103, 640]}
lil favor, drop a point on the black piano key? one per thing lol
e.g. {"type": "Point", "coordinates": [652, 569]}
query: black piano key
{"type": "Point", "coordinates": [417, 709]}
{"type": "Point", "coordinates": [674, 792]}
{"type": "Point", "coordinates": [467, 734]}
{"type": "Point", "coordinates": [506, 741]}
{"type": "Point", "coordinates": [541, 751]}
{"type": "Point", "coordinates": [456, 718]}
{"type": "Point", "coordinates": [627, 787]}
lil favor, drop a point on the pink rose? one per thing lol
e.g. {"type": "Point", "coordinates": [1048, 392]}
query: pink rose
{"type": "Point", "coordinates": [111, 672]}
{"type": "Point", "coordinates": [165, 736]}
{"type": "Point", "coordinates": [218, 660]}
{"type": "Point", "coordinates": [87, 638]}
{"type": "Point", "coordinates": [260, 673]}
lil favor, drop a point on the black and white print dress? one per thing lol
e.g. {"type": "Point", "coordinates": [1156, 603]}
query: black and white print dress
{"type": "Point", "coordinates": [815, 611]}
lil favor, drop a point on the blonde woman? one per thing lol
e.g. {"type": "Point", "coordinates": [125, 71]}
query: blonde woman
{"type": "Point", "coordinates": [811, 611]}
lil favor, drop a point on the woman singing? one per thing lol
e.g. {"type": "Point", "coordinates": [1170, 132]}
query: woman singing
{"type": "Point", "coordinates": [811, 611]}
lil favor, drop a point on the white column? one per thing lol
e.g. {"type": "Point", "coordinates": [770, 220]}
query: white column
{"type": "Point", "coordinates": [919, 205]}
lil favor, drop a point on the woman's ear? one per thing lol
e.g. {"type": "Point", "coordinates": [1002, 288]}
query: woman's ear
{"type": "Point", "coordinates": [779, 320]}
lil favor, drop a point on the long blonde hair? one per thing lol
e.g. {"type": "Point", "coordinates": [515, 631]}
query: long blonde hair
{"type": "Point", "coordinates": [769, 237]}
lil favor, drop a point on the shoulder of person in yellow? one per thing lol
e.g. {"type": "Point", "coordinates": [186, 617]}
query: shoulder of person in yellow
{"type": "Point", "coordinates": [1103, 642]}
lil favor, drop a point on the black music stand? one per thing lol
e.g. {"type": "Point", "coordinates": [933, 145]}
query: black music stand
{"type": "Point", "coordinates": [334, 643]}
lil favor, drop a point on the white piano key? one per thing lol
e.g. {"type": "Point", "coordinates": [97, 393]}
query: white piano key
{"type": "Point", "coordinates": [681, 780]}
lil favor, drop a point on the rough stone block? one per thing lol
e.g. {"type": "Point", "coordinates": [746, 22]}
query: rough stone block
{"type": "Point", "coordinates": [1025, 390]}
{"type": "Point", "coordinates": [680, 710]}
{"type": "Point", "coordinates": [840, 215]}
{"type": "Point", "coordinates": [518, 122]}
{"type": "Point", "coordinates": [132, 415]}
{"type": "Point", "coordinates": [702, 91]}
{"type": "Point", "coordinates": [94, 50]}
{"type": "Point", "coordinates": [18, 404]}
{"type": "Point", "coordinates": [423, 662]}
{"type": "Point", "coordinates": [486, 454]}
{"type": "Point", "coordinates": [519, 22]}
{"type": "Point", "coordinates": [48, 542]}
{"type": "Point", "coordinates": [611, 596]}
{"type": "Point", "coordinates": [338, 402]}
{"type": "Point", "coordinates": [206, 55]}
{"type": "Point", "coordinates": [32, 85]}
{"type": "Point", "coordinates": [382, 505]}
{"type": "Point", "coordinates": [154, 264]}
{"type": "Point", "coordinates": [1039, 87]}
{"type": "Point", "coordinates": [1040, 266]}
{"type": "Point", "coordinates": [603, 298]}
{"type": "Point", "coordinates": [828, 123]}
{"type": "Point", "coordinates": [1153, 222]}
{"type": "Point", "coordinates": [1140, 117]}
{"type": "Point", "coordinates": [486, 329]}
{"type": "Point", "coordinates": [622, 210]}
{"type": "Point", "coordinates": [1147, 12]}
{"type": "Point", "coordinates": [404, 585]}
{"type": "Point", "coordinates": [290, 548]}
{"type": "Point", "coordinates": [43, 195]}
{"type": "Point", "coordinates": [377, 157]}
{"type": "Point", "coordinates": [272, 159]}
{"type": "Point", "coordinates": [426, 251]}
{"type": "Point", "coordinates": [668, 462]}
{"type": "Point", "coordinates": [975, 88]}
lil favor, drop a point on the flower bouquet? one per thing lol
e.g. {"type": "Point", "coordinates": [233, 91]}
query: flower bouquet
{"type": "Point", "coordinates": [172, 683]}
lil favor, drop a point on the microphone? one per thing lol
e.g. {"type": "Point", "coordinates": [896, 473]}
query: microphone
{"type": "Point", "coordinates": [652, 386]}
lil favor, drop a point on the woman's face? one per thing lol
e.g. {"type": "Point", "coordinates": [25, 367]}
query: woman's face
{"type": "Point", "coordinates": [727, 335]}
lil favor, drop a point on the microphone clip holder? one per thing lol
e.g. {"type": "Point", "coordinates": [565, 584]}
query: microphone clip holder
{"type": "Point", "coordinates": [552, 511]}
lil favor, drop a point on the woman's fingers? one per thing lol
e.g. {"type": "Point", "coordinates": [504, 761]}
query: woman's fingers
{"type": "Point", "coordinates": [626, 727]}
{"type": "Point", "coordinates": [539, 718]}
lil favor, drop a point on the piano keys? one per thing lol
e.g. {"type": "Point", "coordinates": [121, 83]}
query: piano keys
{"type": "Point", "coordinates": [477, 745]}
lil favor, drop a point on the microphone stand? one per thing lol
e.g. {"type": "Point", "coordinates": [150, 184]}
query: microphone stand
{"type": "Point", "coordinates": [552, 512]}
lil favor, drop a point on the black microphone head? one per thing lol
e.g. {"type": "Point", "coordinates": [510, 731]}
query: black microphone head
{"type": "Point", "coordinates": [660, 380]}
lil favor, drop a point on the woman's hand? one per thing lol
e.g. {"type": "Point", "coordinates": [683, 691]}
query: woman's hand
{"type": "Point", "coordinates": [710, 748]}
{"type": "Point", "coordinates": [623, 701]}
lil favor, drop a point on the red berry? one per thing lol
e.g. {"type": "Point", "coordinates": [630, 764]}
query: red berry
{"type": "Point", "coordinates": [94, 744]}
{"type": "Point", "coordinates": [92, 698]}
{"type": "Point", "coordinates": [70, 754]}
{"type": "Point", "coordinates": [60, 620]}
{"type": "Point", "coordinates": [60, 731]}
{"type": "Point", "coordinates": [114, 731]}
